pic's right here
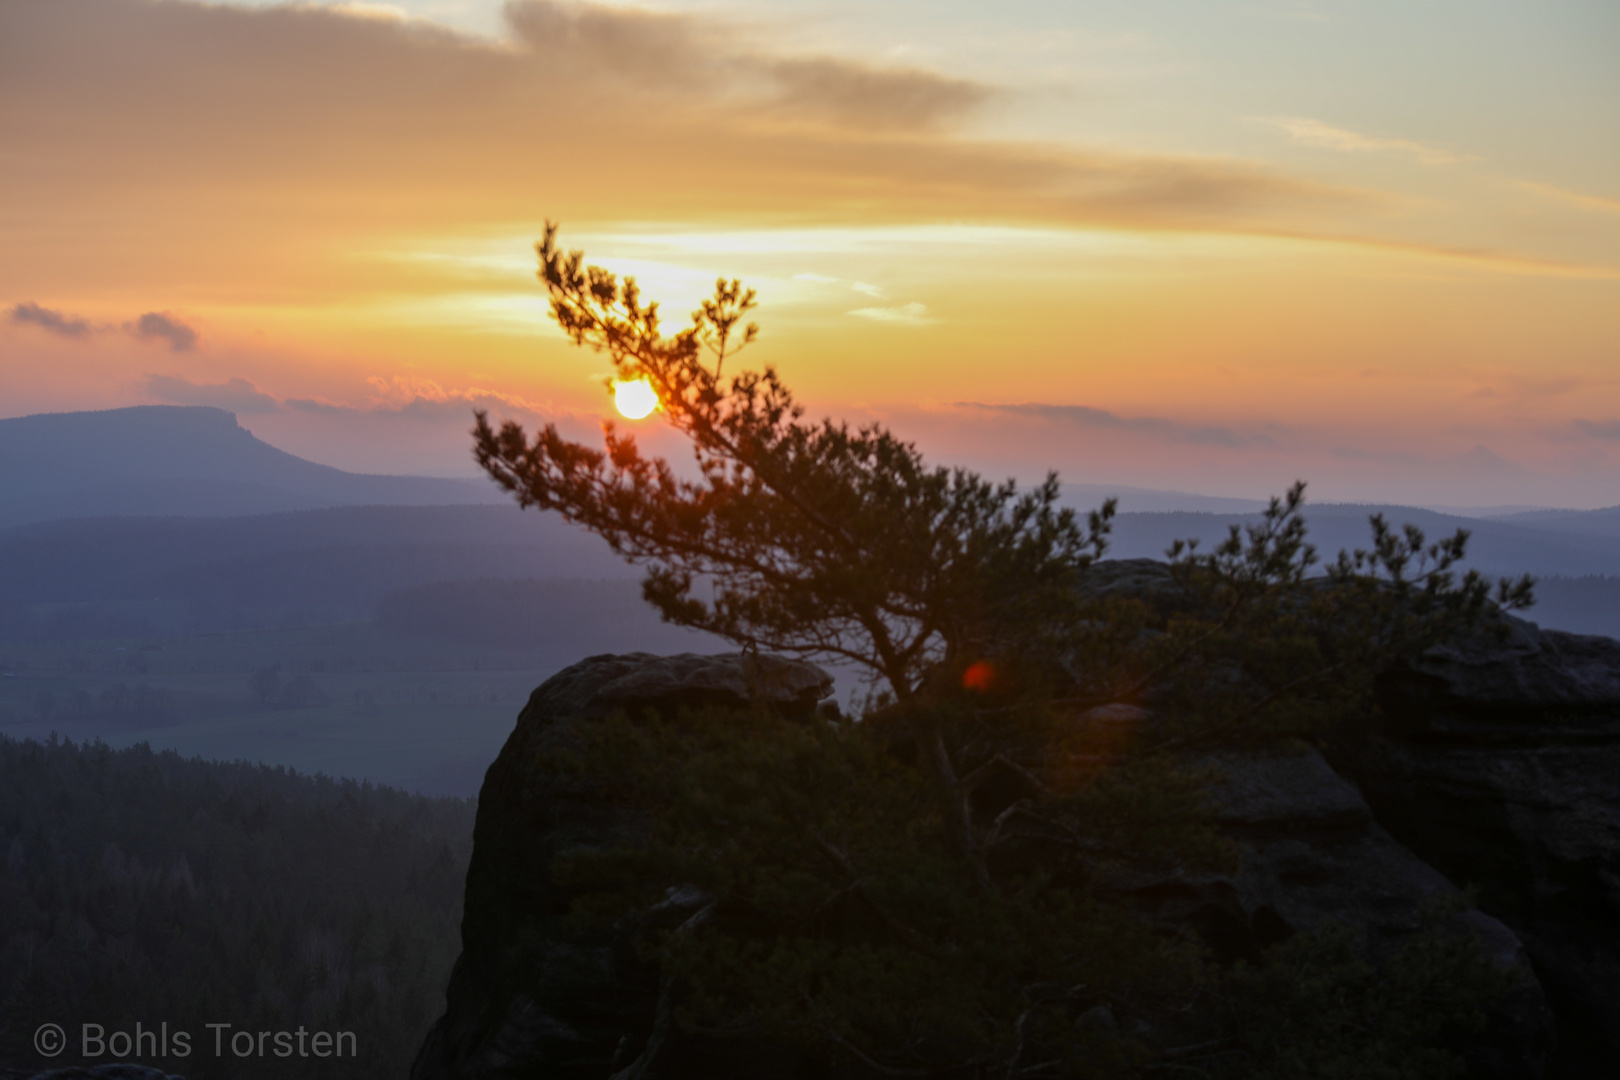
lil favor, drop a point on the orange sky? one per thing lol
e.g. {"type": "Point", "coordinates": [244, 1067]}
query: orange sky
{"type": "Point", "coordinates": [1210, 262]}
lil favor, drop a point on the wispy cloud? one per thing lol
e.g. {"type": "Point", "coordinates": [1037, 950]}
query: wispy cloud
{"type": "Point", "coordinates": [684, 55]}
{"type": "Point", "coordinates": [1089, 417]}
{"type": "Point", "coordinates": [235, 394]}
{"type": "Point", "coordinates": [362, 10]}
{"type": "Point", "coordinates": [1379, 457]}
{"type": "Point", "coordinates": [1316, 133]}
{"type": "Point", "coordinates": [1573, 198]}
{"type": "Point", "coordinates": [162, 326]}
{"type": "Point", "coordinates": [154, 326]}
{"type": "Point", "coordinates": [398, 395]}
{"type": "Point", "coordinates": [1505, 262]}
{"type": "Point", "coordinates": [1598, 429]}
{"type": "Point", "coordinates": [453, 128]}
{"type": "Point", "coordinates": [29, 313]}
{"type": "Point", "coordinates": [912, 314]}
{"type": "Point", "coordinates": [166, 327]}
{"type": "Point", "coordinates": [405, 393]}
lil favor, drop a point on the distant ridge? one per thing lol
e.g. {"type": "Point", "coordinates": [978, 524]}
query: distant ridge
{"type": "Point", "coordinates": [1137, 500]}
{"type": "Point", "coordinates": [1573, 544]}
{"type": "Point", "coordinates": [188, 461]}
{"type": "Point", "coordinates": [1604, 522]}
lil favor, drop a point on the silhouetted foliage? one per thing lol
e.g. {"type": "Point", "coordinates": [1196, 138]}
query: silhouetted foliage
{"type": "Point", "coordinates": [941, 877]}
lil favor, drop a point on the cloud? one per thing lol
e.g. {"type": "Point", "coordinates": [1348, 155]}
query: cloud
{"type": "Point", "coordinates": [418, 398]}
{"type": "Point", "coordinates": [399, 396]}
{"type": "Point", "coordinates": [1316, 133]}
{"type": "Point", "coordinates": [665, 53]}
{"type": "Point", "coordinates": [851, 94]}
{"type": "Point", "coordinates": [1573, 198]}
{"type": "Point", "coordinates": [56, 322]}
{"type": "Point", "coordinates": [316, 124]}
{"type": "Point", "coordinates": [1378, 457]}
{"type": "Point", "coordinates": [1598, 429]}
{"type": "Point", "coordinates": [235, 394]}
{"type": "Point", "coordinates": [320, 408]}
{"type": "Point", "coordinates": [870, 290]}
{"type": "Point", "coordinates": [163, 326]}
{"type": "Point", "coordinates": [1086, 416]}
{"type": "Point", "coordinates": [913, 314]}
{"type": "Point", "coordinates": [360, 10]}
{"type": "Point", "coordinates": [1484, 461]}
{"type": "Point", "coordinates": [153, 326]}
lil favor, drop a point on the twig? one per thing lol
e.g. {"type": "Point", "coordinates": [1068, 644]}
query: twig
{"type": "Point", "coordinates": [1247, 714]}
{"type": "Point", "coordinates": [862, 1057]}
{"type": "Point", "coordinates": [663, 1019]}
{"type": "Point", "coordinates": [967, 784]}
{"type": "Point", "coordinates": [1179, 1053]}
{"type": "Point", "coordinates": [906, 933]}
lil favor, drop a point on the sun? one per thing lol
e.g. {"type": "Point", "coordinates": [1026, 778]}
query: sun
{"type": "Point", "coordinates": [635, 399]}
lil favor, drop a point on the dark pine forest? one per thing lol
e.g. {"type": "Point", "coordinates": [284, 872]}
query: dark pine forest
{"type": "Point", "coordinates": [143, 887]}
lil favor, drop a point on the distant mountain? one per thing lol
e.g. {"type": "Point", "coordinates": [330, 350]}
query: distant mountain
{"type": "Point", "coordinates": [193, 461]}
{"type": "Point", "coordinates": [1135, 500]}
{"type": "Point", "coordinates": [109, 577]}
{"type": "Point", "coordinates": [1575, 554]}
{"type": "Point", "coordinates": [171, 460]}
{"type": "Point", "coordinates": [1605, 522]}
{"type": "Point", "coordinates": [163, 519]}
{"type": "Point", "coordinates": [1572, 543]}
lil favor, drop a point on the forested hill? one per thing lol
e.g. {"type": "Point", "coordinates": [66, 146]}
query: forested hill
{"type": "Point", "coordinates": [133, 576]}
{"type": "Point", "coordinates": [142, 887]}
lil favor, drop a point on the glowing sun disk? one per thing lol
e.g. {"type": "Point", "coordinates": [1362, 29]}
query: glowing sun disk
{"type": "Point", "coordinates": [635, 399]}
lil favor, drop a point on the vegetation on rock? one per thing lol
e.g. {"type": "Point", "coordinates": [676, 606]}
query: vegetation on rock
{"type": "Point", "coordinates": [943, 885]}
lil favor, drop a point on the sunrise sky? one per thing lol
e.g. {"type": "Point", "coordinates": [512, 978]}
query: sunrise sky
{"type": "Point", "coordinates": [1209, 245]}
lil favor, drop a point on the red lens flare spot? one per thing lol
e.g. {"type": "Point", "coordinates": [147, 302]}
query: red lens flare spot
{"type": "Point", "coordinates": [980, 675]}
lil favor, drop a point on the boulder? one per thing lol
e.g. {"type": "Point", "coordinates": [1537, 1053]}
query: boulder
{"type": "Point", "coordinates": [1497, 761]}
{"type": "Point", "coordinates": [1312, 855]}
{"type": "Point", "coordinates": [1492, 764]}
{"type": "Point", "coordinates": [532, 996]}
{"type": "Point", "coordinates": [1149, 581]}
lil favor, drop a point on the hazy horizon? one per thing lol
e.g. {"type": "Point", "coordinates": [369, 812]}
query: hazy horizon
{"type": "Point", "coordinates": [1213, 250]}
{"type": "Point", "coordinates": [1133, 498]}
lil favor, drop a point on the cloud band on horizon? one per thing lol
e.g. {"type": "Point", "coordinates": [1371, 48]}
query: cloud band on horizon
{"type": "Point", "coordinates": [1089, 417]}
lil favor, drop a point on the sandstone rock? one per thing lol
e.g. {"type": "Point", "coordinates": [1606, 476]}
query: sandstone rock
{"type": "Point", "coordinates": [1147, 580]}
{"type": "Point", "coordinates": [1115, 715]}
{"type": "Point", "coordinates": [531, 996]}
{"type": "Point", "coordinates": [1492, 776]}
{"type": "Point", "coordinates": [598, 685]}
{"type": "Point", "coordinates": [1528, 667]}
{"type": "Point", "coordinates": [1313, 855]}
{"type": "Point", "coordinates": [1498, 762]}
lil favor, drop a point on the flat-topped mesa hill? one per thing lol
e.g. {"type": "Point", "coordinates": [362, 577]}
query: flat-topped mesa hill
{"type": "Point", "coordinates": [181, 460]}
{"type": "Point", "coordinates": [1494, 764]}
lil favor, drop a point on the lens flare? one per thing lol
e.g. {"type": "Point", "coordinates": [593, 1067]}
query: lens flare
{"type": "Point", "coordinates": [980, 676]}
{"type": "Point", "coordinates": [635, 399]}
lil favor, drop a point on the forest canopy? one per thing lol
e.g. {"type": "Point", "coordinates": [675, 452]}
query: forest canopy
{"type": "Point", "coordinates": [144, 887]}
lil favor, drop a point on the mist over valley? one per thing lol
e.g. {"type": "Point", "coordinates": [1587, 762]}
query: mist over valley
{"type": "Point", "coordinates": [392, 639]}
